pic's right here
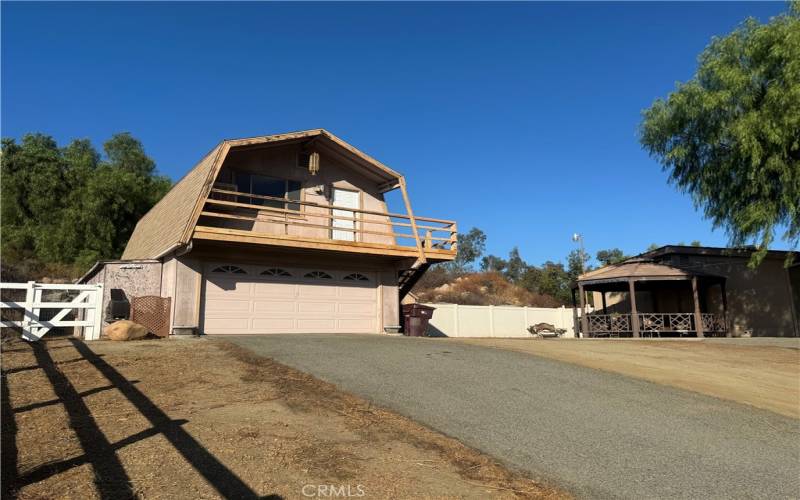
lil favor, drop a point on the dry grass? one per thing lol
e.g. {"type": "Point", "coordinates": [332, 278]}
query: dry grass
{"type": "Point", "coordinates": [766, 377]}
{"type": "Point", "coordinates": [206, 419]}
{"type": "Point", "coordinates": [482, 289]}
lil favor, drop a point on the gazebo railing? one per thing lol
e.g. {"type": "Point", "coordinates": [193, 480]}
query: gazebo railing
{"type": "Point", "coordinates": [614, 325]}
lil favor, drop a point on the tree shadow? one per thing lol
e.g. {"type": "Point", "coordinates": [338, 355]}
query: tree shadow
{"type": "Point", "coordinates": [111, 479]}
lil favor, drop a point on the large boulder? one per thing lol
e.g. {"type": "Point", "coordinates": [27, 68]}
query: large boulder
{"type": "Point", "coordinates": [125, 330]}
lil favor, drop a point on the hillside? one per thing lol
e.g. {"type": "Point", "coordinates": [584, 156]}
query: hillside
{"type": "Point", "coordinates": [488, 288]}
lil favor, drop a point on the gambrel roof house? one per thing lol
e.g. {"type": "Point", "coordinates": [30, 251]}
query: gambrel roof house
{"type": "Point", "coordinates": [286, 233]}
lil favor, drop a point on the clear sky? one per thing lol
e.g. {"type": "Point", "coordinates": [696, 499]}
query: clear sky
{"type": "Point", "coordinates": [518, 118]}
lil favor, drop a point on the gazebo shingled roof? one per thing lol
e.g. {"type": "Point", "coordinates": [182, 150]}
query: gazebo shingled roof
{"type": "Point", "coordinates": [640, 270]}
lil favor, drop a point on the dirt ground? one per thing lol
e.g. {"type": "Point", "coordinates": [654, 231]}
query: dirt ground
{"type": "Point", "coordinates": [764, 376]}
{"type": "Point", "coordinates": [205, 419]}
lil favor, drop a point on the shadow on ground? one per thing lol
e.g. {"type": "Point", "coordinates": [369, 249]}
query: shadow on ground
{"type": "Point", "coordinates": [111, 479]}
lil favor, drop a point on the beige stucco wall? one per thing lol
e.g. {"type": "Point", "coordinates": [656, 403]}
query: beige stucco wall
{"type": "Point", "coordinates": [281, 162]}
{"type": "Point", "coordinates": [759, 300]}
{"type": "Point", "coordinates": [136, 279]}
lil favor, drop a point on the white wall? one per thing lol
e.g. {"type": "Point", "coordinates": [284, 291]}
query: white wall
{"type": "Point", "coordinates": [455, 320]}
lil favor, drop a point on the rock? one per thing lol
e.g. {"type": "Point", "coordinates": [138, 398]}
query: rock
{"type": "Point", "coordinates": [125, 330]}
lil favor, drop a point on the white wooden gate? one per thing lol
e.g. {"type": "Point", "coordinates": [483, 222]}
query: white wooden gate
{"type": "Point", "coordinates": [89, 300]}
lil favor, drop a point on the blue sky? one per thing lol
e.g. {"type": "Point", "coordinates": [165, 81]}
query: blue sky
{"type": "Point", "coordinates": [518, 118]}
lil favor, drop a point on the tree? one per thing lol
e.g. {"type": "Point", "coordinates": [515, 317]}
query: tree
{"type": "Point", "coordinates": [730, 136]}
{"type": "Point", "coordinates": [611, 256]}
{"type": "Point", "coordinates": [471, 246]}
{"type": "Point", "coordinates": [127, 154]}
{"type": "Point", "coordinates": [515, 267]}
{"type": "Point", "coordinates": [493, 263]}
{"type": "Point", "coordinates": [68, 206]}
{"type": "Point", "coordinates": [549, 279]}
{"type": "Point", "coordinates": [577, 264]}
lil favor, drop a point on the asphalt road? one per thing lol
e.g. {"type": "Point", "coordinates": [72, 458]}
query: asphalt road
{"type": "Point", "coordinates": [595, 434]}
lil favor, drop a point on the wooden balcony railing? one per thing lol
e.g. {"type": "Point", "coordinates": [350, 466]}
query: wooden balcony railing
{"type": "Point", "coordinates": [324, 221]}
{"type": "Point", "coordinates": [615, 325]}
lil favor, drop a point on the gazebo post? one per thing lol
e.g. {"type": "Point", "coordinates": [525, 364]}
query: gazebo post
{"type": "Point", "coordinates": [584, 319]}
{"type": "Point", "coordinates": [728, 332]}
{"type": "Point", "coordinates": [698, 318]}
{"type": "Point", "coordinates": [605, 309]}
{"type": "Point", "coordinates": [634, 312]}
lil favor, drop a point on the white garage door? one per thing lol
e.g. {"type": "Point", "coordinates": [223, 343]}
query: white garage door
{"type": "Point", "coordinates": [244, 299]}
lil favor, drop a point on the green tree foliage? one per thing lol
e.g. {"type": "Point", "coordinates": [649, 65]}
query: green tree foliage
{"type": "Point", "coordinates": [730, 136]}
{"type": "Point", "coordinates": [549, 279]}
{"type": "Point", "coordinates": [493, 263]}
{"type": "Point", "coordinates": [471, 246]}
{"type": "Point", "coordinates": [577, 263]}
{"type": "Point", "coordinates": [610, 256]}
{"type": "Point", "coordinates": [70, 206]}
{"type": "Point", "coordinates": [515, 267]}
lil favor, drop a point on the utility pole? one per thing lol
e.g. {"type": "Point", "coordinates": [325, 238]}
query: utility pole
{"type": "Point", "coordinates": [578, 238]}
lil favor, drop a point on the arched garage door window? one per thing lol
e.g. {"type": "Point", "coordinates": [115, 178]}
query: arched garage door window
{"type": "Point", "coordinates": [318, 275]}
{"type": "Point", "coordinates": [228, 270]}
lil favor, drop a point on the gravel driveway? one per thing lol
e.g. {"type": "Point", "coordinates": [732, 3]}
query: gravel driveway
{"type": "Point", "coordinates": [597, 434]}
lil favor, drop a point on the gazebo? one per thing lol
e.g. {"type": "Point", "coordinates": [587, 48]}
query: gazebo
{"type": "Point", "coordinates": [640, 297]}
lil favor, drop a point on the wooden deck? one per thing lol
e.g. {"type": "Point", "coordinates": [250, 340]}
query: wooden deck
{"type": "Point", "coordinates": [271, 222]}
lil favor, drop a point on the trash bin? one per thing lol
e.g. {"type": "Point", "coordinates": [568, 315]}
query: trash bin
{"type": "Point", "coordinates": [415, 319]}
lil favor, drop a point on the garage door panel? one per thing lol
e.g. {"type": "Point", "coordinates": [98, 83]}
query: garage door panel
{"type": "Point", "coordinates": [357, 293]}
{"type": "Point", "coordinates": [316, 307]}
{"type": "Point", "coordinates": [224, 306]}
{"type": "Point", "coordinates": [311, 291]}
{"type": "Point", "coordinates": [356, 307]}
{"type": "Point", "coordinates": [280, 290]}
{"type": "Point", "coordinates": [274, 306]}
{"type": "Point", "coordinates": [228, 287]}
{"type": "Point", "coordinates": [272, 324]}
{"type": "Point", "coordinates": [269, 303]}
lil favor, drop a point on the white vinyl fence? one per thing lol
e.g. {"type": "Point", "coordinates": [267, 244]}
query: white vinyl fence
{"type": "Point", "coordinates": [39, 296]}
{"type": "Point", "coordinates": [455, 320]}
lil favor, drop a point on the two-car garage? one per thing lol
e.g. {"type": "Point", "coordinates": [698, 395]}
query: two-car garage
{"type": "Point", "coordinates": [250, 299]}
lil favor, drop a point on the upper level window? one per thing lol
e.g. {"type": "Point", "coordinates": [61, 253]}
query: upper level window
{"type": "Point", "coordinates": [262, 185]}
{"type": "Point", "coordinates": [229, 270]}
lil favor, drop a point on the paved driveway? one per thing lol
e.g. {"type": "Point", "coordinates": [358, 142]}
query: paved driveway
{"type": "Point", "coordinates": [597, 434]}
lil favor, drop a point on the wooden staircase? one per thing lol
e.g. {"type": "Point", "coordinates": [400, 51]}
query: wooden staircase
{"type": "Point", "coordinates": [407, 278]}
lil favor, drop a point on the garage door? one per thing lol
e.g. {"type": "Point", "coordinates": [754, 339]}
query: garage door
{"type": "Point", "coordinates": [244, 299]}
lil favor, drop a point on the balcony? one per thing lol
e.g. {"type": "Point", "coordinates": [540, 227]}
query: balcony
{"type": "Point", "coordinates": [249, 218]}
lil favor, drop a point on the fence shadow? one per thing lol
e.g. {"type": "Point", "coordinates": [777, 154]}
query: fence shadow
{"type": "Point", "coordinates": [8, 442]}
{"type": "Point", "coordinates": [111, 479]}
